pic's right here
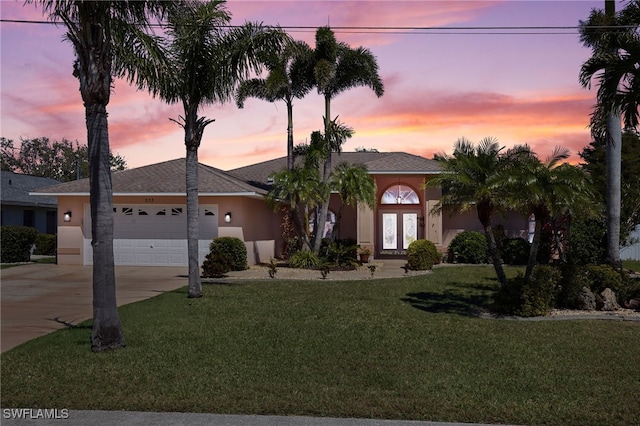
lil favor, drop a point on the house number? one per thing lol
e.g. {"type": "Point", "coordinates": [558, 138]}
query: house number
{"type": "Point", "coordinates": [148, 200]}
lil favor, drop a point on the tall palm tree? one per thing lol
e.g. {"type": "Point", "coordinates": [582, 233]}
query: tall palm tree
{"type": "Point", "coordinates": [335, 68]}
{"type": "Point", "coordinates": [354, 185]}
{"type": "Point", "coordinates": [547, 190]}
{"type": "Point", "coordinates": [286, 81]}
{"type": "Point", "coordinates": [616, 60]}
{"type": "Point", "coordinates": [207, 61]}
{"type": "Point", "coordinates": [104, 35]}
{"type": "Point", "coordinates": [470, 179]}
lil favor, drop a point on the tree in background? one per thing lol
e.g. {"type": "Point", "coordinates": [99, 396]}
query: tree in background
{"type": "Point", "coordinates": [61, 160]}
{"type": "Point", "coordinates": [104, 35]}
{"type": "Point", "coordinates": [594, 164]}
{"type": "Point", "coordinates": [615, 60]}
{"type": "Point", "coordinates": [206, 60]}
{"type": "Point", "coordinates": [285, 81]}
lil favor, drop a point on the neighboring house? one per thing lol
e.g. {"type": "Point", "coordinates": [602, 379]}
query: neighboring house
{"type": "Point", "coordinates": [20, 208]}
{"type": "Point", "coordinates": [632, 252]}
{"type": "Point", "coordinates": [150, 211]}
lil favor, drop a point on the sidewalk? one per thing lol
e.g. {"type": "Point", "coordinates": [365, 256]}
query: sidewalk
{"type": "Point", "coordinates": [83, 418]}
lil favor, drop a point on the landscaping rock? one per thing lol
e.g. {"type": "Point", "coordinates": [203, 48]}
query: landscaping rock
{"type": "Point", "coordinates": [607, 301]}
{"type": "Point", "coordinates": [632, 304]}
{"type": "Point", "coordinates": [586, 300]}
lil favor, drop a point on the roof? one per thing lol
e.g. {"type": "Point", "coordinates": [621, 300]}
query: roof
{"type": "Point", "coordinates": [16, 188]}
{"type": "Point", "coordinates": [166, 178]}
{"type": "Point", "coordinates": [377, 163]}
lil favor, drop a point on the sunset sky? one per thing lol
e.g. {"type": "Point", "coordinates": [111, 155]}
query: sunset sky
{"type": "Point", "coordinates": [440, 85]}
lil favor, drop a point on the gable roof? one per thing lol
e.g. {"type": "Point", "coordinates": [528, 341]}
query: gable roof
{"type": "Point", "coordinates": [166, 178]}
{"type": "Point", "coordinates": [16, 188]}
{"type": "Point", "coordinates": [377, 163]}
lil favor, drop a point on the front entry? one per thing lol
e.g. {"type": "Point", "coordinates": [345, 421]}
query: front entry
{"type": "Point", "coordinates": [398, 229]}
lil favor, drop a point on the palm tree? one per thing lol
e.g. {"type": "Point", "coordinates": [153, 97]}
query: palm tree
{"type": "Point", "coordinates": [355, 185]}
{"type": "Point", "coordinates": [300, 190]}
{"type": "Point", "coordinates": [547, 190]}
{"type": "Point", "coordinates": [336, 68]}
{"type": "Point", "coordinates": [615, 59]}
{"type": "Point", "coordinates": [104, 35]}
{"type": "Point", "coordinates": [470, 179]}
{"type": "Point", "coordinates": [285, 81]}
{"type": "Point", "coordinates": [207, 61]}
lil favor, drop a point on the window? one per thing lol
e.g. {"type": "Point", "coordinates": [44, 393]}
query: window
{"type": "Point", "coordinates": [176, 211]}
{"type": "Point", "coordinates": [28, 218]}
{"type": "Point", "coordinates": [400, 194]}
{"type": "Point", "coordinates": [328, 224]}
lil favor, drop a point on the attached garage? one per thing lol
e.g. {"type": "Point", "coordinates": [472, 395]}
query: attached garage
{"type": "Point", "coordinates": [150, 216]}
{"type": "Point", "coordinates": [153, 235]}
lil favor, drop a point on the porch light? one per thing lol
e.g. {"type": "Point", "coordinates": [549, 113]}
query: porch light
{"type": "Point", "coordinates": [67, 216]}
{"type": "Point", "coordinates": [227, 217]}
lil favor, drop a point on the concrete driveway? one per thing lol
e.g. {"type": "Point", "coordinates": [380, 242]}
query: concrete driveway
{"type": "Point", "coordinates": [37, 299]}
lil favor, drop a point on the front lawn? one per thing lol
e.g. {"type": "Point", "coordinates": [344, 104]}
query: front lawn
{"type": "Point", "coordinates": [400, 349]}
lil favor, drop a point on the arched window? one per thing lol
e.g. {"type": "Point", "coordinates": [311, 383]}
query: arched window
{"type": "Point", "coordinates": [400, 194]}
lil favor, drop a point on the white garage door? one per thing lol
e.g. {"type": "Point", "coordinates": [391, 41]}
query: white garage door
{"type": "Point", "coordinates": [154, 235]}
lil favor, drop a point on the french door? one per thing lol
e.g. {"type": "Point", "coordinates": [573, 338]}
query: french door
{"type": "Point", "coordinates": [397, 229]}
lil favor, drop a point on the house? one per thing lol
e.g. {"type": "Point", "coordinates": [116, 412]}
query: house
{"type": "Point", "coordinates": [150, 211]}
{"type": "Point", "coordinates": [18, 207]}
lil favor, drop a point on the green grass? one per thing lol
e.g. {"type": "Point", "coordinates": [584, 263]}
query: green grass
{"type": "Point", "coordinates": [402, 349]}
{"type": "Point", "coordinates": [633, 265]}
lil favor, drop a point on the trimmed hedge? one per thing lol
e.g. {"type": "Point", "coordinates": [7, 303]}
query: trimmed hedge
{"type": "Point", "coordinates": [421, 255]}
{"type": "Point", "coordinates": [225, 254]}
{"type": "Point", "coordinates": [515, 251]}
{"type": "Point", "coordinates": [16, 243]}
{"type": "Point", "coordinates": [45, 245]}
{"type": "Point", "coordinates": [469, 247]}
{"type": "Point", "coordinates": [529, 300]}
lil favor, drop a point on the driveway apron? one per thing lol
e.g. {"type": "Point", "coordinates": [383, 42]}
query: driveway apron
{"type": "Point", "coordinates": [37, 299]}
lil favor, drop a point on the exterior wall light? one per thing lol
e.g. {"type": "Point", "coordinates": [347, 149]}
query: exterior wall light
{"type": "Point", "coordinates": [227, 217]}
{"type": "Point", "coordinates": [67, 216]}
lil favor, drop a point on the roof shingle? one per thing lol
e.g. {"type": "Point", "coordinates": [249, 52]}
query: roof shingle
{"type": "Point", "coordinates": [164, 178]}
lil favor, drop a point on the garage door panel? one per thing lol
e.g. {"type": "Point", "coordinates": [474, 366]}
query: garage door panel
{"type": "Point", "coordinates": [154, 235]}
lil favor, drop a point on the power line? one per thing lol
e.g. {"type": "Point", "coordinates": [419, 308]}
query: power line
{"type": "Point", "coordinates": [490, 30]}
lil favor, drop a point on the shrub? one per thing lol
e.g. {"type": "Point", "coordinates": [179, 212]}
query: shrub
{"type": "Point", "coordinates": [469, 247]}
{"type": "Point", "coordinates": [529, 300]}
{"type": "Point", "coordinates": [216, 265]}
{"type": "Point", "coordinates": [515, 251]}
{"type": "Point", "coordinates": [16, 243]}
{"type": "Point", "coordinates": [234, 248]}
{"type": "Point", "coordinates": [339, 252]}
{"type": "Point", "coordinates": [421, 255]}
{"type": "Point", "coordinates": [45, 245]}
{"type": "Point", "coordinates": [603, 276]}
{"type": "Point", "coordinates": [225, 254]}
{"type": "Point", "coordinates": [574, 277]}
{"type": "Point", "coordinates": [587, 244]}
{"type": "Point", "coordinates": [304, 259]}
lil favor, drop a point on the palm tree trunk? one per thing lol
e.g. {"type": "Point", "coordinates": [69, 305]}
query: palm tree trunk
{"type": "Point", "coordinates": [193, 130]}
{"type": "Point", "coordinates": [290, 135]}
{"type": "Point", "coordinates": [533, 252]}
{"type": "Point", "coordinates": [321, 217]}
{"type": "Point", "coordinates": [495, 255]}
{"type": "Point", "coordinates": [107, 330]}
{"type": "Point", "coordinates": [195, 283]}
{"type": "Point", "coordinates": [613, 161]}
